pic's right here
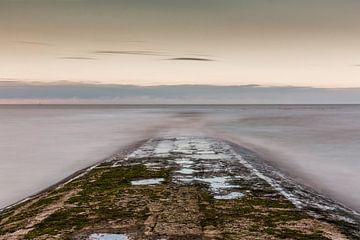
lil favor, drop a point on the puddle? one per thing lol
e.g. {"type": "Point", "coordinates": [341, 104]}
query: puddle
{"type": "Point", "coordinates": [196, 159]}
{"type": "Point", "coordinates": [164, 148]}
{"type": "Point", "coordinates": [107, 236]}
{"type": "Point", "coordinates": [183, 151]}
{"type": "Point", "coordinates": [151, 181]}
{"type": "Point", "coordinates": [217, 183]}
{"type": "Point", "coordinates": [186, 171]}
{"type": "Point", "coordinates": [233, 195]}
{"type": "Point", "coordinates": [184, 161]}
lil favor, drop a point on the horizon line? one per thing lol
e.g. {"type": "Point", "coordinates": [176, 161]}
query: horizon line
{"type": "Point", "coordinates": [4, 81]}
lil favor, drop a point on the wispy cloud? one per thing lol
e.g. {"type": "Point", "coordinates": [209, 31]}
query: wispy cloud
{"type": "Point", "coordinates": [32, 43]}
{"type": "Point", "coordinates": [126, 52]}
{"type": "Point", "coordinates": [190, 59]}
{"type": "Point", "coordinates": [78, 58]}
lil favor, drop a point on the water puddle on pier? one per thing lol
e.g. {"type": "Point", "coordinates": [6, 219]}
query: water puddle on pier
{"type": "Point", "coordinates": [152, 181]}
{"type": "Point", "coordinates": [107, 236]}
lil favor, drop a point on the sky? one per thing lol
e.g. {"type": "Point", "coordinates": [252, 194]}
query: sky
{"type": "Point", "coordinates": [313, 43]}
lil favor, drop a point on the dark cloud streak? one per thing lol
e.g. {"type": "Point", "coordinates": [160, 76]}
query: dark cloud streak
{"type": "Point", "coordinates": [32, 43]}
{"type": "Point", "coordinates": [78, 58]}
{"type": "Point", "coordinates": [125, 52]}
{"type": "Point", "coordinates": [190, 59]}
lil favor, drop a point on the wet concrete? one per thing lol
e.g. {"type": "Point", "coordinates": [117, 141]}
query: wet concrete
{"type": "Point", "coordinates": [181, 188]}
{"type": "Point", "coordinates": [231, 172]}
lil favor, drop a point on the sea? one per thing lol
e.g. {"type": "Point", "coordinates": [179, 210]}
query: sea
{"type": "Point", "coordinates": [317, 145]}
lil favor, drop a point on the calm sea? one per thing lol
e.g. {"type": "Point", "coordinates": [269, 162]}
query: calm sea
{"type": "Point", "coordinates": [317, 144]}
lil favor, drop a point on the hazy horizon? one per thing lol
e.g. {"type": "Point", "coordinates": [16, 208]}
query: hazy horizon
{"type": "Point", "coordinates": [64, 92]}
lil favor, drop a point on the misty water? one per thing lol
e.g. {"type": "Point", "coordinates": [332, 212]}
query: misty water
{"type": "Point", "coordinates": [318, 145]}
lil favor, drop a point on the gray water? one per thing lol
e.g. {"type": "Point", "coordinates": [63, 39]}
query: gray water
{"type": "Point", "coordinates": [318, 145]}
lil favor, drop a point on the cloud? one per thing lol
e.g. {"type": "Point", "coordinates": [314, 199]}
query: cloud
{"type": "Point", "coordinates": [31, 43]}
{"type": "Point", "coordinates": [78, 58]}
{"type": "Point", "coordinates": [137, 52]}
{"type": "Point", "coordinates": [190, 59]}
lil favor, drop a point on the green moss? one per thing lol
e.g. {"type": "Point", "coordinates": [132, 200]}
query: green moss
{"type": "Point", "coordinates": [60, 222]}
{"type": "Point", "coordinates": [206, 204]}
{"type": "Point", "coordinates": [106, 196]}
{"type": "Point", "coordinates": [99, 200]}
{"type": "Point", "coordinates": [20, 219]}
{"type": "Point", "coordinates": [346, 228]}
{"type": "Point", "coordinates": [296, 235]}
{"type": "Point", "coordinates": [43, 202]}
{"type": "Point", "coordinates": [268, 202]}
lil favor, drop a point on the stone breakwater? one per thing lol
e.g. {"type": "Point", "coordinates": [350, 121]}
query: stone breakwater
{"type": "Point", "coordinates": [181, 188]}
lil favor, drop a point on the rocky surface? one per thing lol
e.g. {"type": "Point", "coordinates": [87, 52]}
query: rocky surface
{"type": "Point", "coordinates": [180, 188]}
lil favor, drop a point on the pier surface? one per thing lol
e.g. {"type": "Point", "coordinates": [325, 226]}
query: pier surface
{"type": "Point", "coordinates": [180, 188]}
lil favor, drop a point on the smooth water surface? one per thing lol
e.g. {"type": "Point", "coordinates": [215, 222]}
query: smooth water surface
{"type": "Point", "coordinates": [316, 144]}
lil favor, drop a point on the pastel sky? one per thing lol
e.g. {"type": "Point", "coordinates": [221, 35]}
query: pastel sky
{"type": "Point", "coordinates": [150, 42]}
